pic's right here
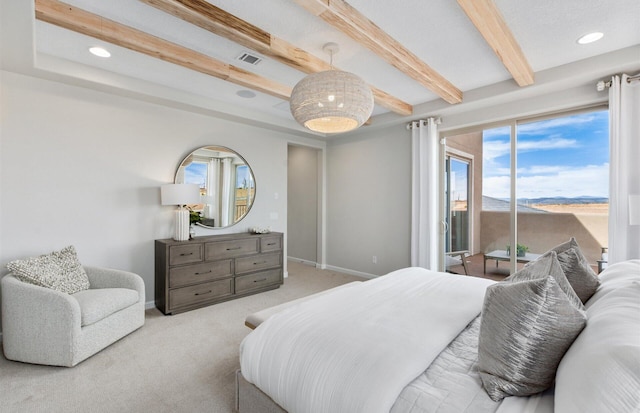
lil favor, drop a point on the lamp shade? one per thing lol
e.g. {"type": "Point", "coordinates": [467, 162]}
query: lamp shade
{"type": "Point", "coordinates": [180, 194]}
{"type": "Point", "coordinates": [332, 101]}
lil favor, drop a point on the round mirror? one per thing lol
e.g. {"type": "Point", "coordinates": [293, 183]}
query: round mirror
{"type": "Point", "coordinates": [227, 185]}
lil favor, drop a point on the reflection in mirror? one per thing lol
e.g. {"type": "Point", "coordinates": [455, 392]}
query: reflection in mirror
{"type": "Point", "coordinates": [227, 185]}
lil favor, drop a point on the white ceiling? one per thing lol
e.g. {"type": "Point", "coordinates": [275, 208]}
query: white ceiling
{"type": "Point", "coordinates": [437, 31]}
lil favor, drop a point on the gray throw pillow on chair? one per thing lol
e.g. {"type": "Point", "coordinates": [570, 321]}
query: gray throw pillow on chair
{"type": "Point", "coordinates": [526, 328]}
{"type": "Point", "coordinates": [59, 270]}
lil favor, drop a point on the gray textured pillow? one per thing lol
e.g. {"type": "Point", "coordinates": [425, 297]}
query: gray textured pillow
{"type": "Point", "coordinates": [59, 270]}
{"type": "Point", "coordinates": [526, 328]}
{"type": "Point", "coordinates": [545, 265]}
{"type": "Point", "coordinates": [576, 268]}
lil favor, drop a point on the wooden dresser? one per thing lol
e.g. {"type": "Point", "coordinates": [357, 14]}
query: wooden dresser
{"type": "Point", "coordinates": [208, 270]}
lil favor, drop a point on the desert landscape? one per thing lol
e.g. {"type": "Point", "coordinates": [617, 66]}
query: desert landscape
{"type": "Point", "coordinates": [594, 208]}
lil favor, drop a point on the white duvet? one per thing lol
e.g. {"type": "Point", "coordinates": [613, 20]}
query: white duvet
{"type": "Point", "coordinates": [356, 349]}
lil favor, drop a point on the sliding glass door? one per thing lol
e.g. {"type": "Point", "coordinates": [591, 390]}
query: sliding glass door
{"type": "Point", "coordinates": [542, 181]}
{"type": "Point", "coordinates": [458, 205]}
{"type": "Point", "coordinates": [563, 182]}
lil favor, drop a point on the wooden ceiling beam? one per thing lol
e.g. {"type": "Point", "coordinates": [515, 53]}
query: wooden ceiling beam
{"type": "Point", "coordinates": [487, 18]}
{"type": "Point", "coordinates": [344, 17]}
{"type": "Point", "coordinates": [217, 21]}
{"type": "Point", "coordinates": [81, 21]}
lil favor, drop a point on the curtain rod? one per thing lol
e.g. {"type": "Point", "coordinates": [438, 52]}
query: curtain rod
{"type": "Point", "coordinates": [423, 122]}
{"type": "Point", "coordinates": [602, 84]}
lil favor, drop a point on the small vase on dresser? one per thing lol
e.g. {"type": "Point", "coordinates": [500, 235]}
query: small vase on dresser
{"type": "Point", "coordinates": [211, 269]}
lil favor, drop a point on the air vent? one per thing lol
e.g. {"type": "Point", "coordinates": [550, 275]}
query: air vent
{"type": "Point", "coordinates": [249, 58]}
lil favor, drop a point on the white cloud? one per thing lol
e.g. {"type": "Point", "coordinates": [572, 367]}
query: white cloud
{"type": "Point", "coordinates": [552, 142]}
{"type": "Point", "coordinates": [590, 180]}
{"type": "Point", "coordinates": [542, 170]}
{"type": "Point", "coordinates": [543, 127]}
{"type": "Point", "coordinates": [503, 132]}
{"type": "Point", "coordinates": [496, 186]}
{"type": "Point", "coordinates": [496, 149]}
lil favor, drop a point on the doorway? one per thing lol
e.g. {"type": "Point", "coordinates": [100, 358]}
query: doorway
{"type": "Point", "coordinates": [302, 204]}
{"type": "Point", "coordinates": [458, 202]}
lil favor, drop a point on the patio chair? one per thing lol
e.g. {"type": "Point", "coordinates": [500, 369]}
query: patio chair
{"type": "Point", "coordinates": [456, 258]}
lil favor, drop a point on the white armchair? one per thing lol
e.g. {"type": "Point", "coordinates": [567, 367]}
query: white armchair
{"type": "Point", "coordinates": [44, 326]}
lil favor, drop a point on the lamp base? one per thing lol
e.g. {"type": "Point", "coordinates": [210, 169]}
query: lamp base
{"type": "Point", "coordinates": [181, 232]}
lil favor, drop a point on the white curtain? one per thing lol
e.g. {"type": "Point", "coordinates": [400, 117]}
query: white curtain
{"type": "Point", "coordinates": [227, 196]}
{"type": "Point", "coordinates": [624, 185]}
{"type": "Point", "coordinates": [213, 185]}
{"type": "Point", "coordinates": [424, 194]}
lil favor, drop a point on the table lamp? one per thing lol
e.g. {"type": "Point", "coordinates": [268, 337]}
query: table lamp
{"type": "Point", "coordinates": [181, 195]}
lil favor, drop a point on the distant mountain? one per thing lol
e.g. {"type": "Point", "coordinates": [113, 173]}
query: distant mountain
{"type": "Point", "coordinates": [563, 201]}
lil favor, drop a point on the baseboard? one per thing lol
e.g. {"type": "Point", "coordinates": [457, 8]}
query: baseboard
{"type": "Point", "coordinates": [351, 272]}
{"type": "Point", "coordinates": [303, 261]}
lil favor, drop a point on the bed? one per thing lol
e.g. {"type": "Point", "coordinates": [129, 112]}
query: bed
{"type": "Point", "coordinates": [418, 341]}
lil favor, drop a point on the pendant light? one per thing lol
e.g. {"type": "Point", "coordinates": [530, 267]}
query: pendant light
{"type": "Point", "coordinates": [331, 101]}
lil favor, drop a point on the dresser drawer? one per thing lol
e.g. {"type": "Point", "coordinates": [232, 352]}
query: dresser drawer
{"type": "Point", "coordinates": [258, 280]}
{"type": "Point", "coordinates": [273, 243]}
{"type": "Point", "coordinates": [185, 254]}
{"type": "Point", "coordinates": [186, 296]}
{"type": "Point", "coordinates": [191, 274]}
{"type": "Point", "coordinates": [230, 248]}
{"type": "Point", "coordinates": [258, 262]}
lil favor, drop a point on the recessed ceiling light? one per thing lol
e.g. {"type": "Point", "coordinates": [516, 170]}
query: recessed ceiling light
{"type": "Point", "coordinates": [590, 37]}
{"type": "Point", "coordinates": [99, 51]}
{"type": "Point", "coordinates": [247, 94]}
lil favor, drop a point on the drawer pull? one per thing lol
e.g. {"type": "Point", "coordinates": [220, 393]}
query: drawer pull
{"type": "Point", "coordinates": [202, 273]}
{"type": "Point", "coordinates": [208, 292]}
{"type": "Point", "coordinates": [234, 248]}
{"type": "Point", "coordinates": [271, 243]}
{"type": "Point", "coordinates": [260, 280]}
{"type": "Point", "coordinates": [258, 263]}
{"type": "Point", "coordinates": [184, 255]}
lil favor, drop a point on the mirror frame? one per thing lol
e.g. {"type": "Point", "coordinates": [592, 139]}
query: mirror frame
{"type": "Point", "coordinates": [220, 148]}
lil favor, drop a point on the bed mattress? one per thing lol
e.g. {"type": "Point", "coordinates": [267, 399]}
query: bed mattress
{"type": "Point", "coordinates": [356, 349]}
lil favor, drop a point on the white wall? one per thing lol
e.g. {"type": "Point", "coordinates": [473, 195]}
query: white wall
{"type": "Point", "coordinates": [83, 167]}
{"type": "Point", "coordinates": [369, 201]}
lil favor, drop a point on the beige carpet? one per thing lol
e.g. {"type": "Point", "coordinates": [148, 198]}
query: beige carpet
{"type": "Point", "coordinates": [180, 363]}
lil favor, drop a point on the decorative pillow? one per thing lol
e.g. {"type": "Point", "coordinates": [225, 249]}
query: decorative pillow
{"type": "Point", "coordinates": [526, 328]}
{"type": "Point", "coordinates": [59, 270]}
{"type": "Point", "coordinates": [582, 278]}
{"type": "Point", "coordinates": [577, 269]}
{"type": "Point", "coordinates": [546, 265]}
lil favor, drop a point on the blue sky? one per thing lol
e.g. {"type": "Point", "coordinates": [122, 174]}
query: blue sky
{"type": "Point", "coordinates": [566, 156]}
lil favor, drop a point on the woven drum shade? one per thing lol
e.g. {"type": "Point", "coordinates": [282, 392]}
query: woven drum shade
{"type": "Point", "coordinates": [332, 101]}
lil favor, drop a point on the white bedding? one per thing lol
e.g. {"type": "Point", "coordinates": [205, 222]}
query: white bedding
{"type": "Point", "coordinates": [355, 350]}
